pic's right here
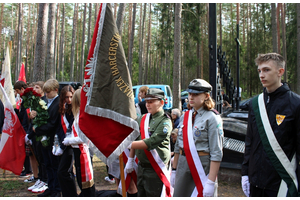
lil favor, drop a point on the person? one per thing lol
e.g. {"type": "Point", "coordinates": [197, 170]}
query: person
{"type": "Point", "coordinates": [273, 135]}
{"type": "Point", "coordinates": [142, 104]}
{"type": "Point", "coordinates": [40, 184]}
{"type": "Point", "coordinates": [83, 163]}
{"type": "Point", "coordinates": [153, 143]}
{"type": "Point", "coordinates": [50, 88]}
{"type": "Point", "coordinates": [175, 114]}
{"type": "Point", "coordinates": [21, 112]}
{"type": "Point", "coordinates": [198, 148]}
{"type": "Point", "coordinates": [65, 173]}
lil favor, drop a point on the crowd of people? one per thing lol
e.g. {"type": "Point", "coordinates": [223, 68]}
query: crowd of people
{"type": "Point", "coordinates": [179, 153]}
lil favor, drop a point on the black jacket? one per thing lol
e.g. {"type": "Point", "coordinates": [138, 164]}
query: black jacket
{"type": "Point", "coordinates": [256, 163]}
{"type": "Point", "coordinates": [60, 131]}
{"type": "Point", "coordinates": [50, 128]}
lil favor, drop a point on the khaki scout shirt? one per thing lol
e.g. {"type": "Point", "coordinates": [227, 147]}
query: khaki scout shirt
{"type": "Point", "coordinates": [207, 134]}
{"type": "Point", "coordinates": [160, 127]}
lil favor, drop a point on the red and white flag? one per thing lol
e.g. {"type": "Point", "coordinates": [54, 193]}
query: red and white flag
{"type": "Point", "coordinates": [12, 144]}
{"type": "Point", "coordinates": [107, 112]}
{"type": "Point", "coordinates": [6, 80]}
{"type": "Point", "coordinates": [22, 76]}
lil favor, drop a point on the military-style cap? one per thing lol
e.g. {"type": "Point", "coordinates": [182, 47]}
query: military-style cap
{"type": "Point", "coordinates": [199, 86]}
{"type": "Point", "coordinates": [155, 93]}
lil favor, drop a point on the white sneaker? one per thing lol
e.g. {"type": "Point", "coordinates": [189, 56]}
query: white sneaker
{"type": "Point", "coordinates": [111, 181]}
{"type": "Point", "coordinates": [40, 188]}
{"type": "Point", "coordinates": [34, 186]}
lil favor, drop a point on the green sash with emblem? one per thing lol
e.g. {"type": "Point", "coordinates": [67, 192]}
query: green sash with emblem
{"type": "Point", "coordinates": [284, 167]}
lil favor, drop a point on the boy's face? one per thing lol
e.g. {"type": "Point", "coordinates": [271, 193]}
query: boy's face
{"type": "Point", "coordinates": [20, 91]}
{"type": "Point", "coordinates": [51, 94]}
{"type": "Point", "coordinates": [154, 105]}
{"type": "Point", "coordinates": [270, 75]}
{"type": "Point", "coordinates": [38, 89]}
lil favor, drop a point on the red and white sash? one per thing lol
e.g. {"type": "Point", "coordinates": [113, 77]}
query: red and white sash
{"type": "Point", "coordinates": [87, 176]}
{"type": "Point", "coordinates": [192, 156]}
{"type": "Point", "coordinates": [157, 164]}
{"type": "Point", "coordinates": [132, 175]}
{"type": "Point", "coordinates": [64, 123]}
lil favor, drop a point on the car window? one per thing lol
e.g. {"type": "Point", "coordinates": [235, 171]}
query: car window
{"type": "Point", "coordinates": [169, 93]}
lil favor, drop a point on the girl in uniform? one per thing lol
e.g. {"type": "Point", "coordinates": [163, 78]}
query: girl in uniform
{"type": "Point", "coordinates": [198, 148]}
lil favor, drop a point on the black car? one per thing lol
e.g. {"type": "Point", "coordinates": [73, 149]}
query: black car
{"type": "Point", "coordinates": [75, 85]}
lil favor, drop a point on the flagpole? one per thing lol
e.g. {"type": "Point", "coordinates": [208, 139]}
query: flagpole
{"type": "Point", "coordinates": [122, 175]}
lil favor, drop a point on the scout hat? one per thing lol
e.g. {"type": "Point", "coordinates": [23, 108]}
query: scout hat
{"type": "Point", "coordinates": [155, 93]}
{"type": "Point", "coordinates": [199, 86]}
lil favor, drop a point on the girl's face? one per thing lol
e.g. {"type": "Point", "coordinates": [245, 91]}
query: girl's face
{"type": "Point", "coordinates": [68, 97]}
{"type": "Point", "coordinates": [196, 100]}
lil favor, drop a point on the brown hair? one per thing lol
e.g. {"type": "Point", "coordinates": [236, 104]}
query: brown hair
{"type": "Point", "coordinates": [51, 85]}
{"type": "Point", "coordinates": [275, 57]}
{"type": "Point", "coordinates": [76, 102]}
{"type": "Point", "coordinates": [62, 109]}
{"type": "Point", "coordinates": [19, 85]}
{"type": "Point", "coordinates": [208, 103]}
{"type": "Point", "coordinates": [144, 89]}
{"type": "Point", "coordinates": [40, 83]}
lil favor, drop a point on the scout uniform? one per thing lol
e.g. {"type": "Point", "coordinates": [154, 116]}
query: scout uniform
{"type": "Point", "coordinates": [159, 130]}
{"type": "Point", "coordinates": [207, 136]}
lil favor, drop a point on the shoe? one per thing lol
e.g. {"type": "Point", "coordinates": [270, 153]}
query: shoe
{"type": "Point", "coordinates": [24, 174]}
{"type": "Point", "coordinates": [46, 193]}
{"type": "Point", "coordinates": [42, 187]}
{"type": "Point", "coordinates": [31, 179]}
{"type": "Point", "coordinates": [56, 194]}
{"type": "Point", "coordinates": [111, 181]}
{"type": "Point", "coordinates": [34, 186]}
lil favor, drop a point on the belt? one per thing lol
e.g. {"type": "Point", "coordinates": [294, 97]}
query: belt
{"type": "Point", "coordinates": [200, 153]}
{"type": "Point", "coordinates": [145, 165]}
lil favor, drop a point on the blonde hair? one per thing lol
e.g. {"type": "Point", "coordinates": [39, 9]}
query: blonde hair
{"type": "Point", "coordinates": [76, 100]}
{"type": "Point", "coordinates": [208, 103]}
{"type": "Point", "coordinates": [275, 57]}
{"type": "Point", "coordinates": [144, 89]}
{"type": "Point", "coordinates": [51, 85]}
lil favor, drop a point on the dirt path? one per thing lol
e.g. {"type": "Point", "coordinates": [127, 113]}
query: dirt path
{"type": "Point", "coordinates": [13, 186]}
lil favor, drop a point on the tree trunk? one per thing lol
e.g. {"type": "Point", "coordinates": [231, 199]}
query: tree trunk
{"type": "Point", "coordinates": [41, 36]}
{"type": "Point", "coordinates": [50, 43]}
{"type": "Point", "coordinates": [220, 10]}
{"type": "Point", "coordinates": [278, 28]}
{"type": "Point", "coordinates": [89, 26]}
{"type": "Point", "coordinates": [285, 77]}
{"type": "Point", "coordinates": [177, 57]}
{"type": "Point", "coordinates": [73, 41]}
{"type": "Point", "coordinates": [115, 10]}
{"type": "Point", "coordinates": [55, 41]}
{"type": "Point", "coordinates": [62, 45]}
{"type": "Point", "coordinates": [298, 48]}
{"type": "Point", "coordinates": [120, 17]}
{"type": "Point", "coordinates": [28, 41]}
{"type": "Point", "coordinates": [129, 27]}
{"type": "Point", "coordinates": [141, 34]}
{"type": "Point", "coordinates": [274, 29]}
{"type": "Point", "coordinates": [130, 46]}
{"type": "Point", "coordinates": [148, 46]}
{"type": "Point", "coordinates": [82, 46]}
{"type": "Point", "coordinates": [19, 46]}
{"type": "Point", "coordinates": [1, 22]}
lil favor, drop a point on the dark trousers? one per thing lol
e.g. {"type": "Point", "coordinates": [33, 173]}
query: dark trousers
{"type": "Point", "coordinates": [65, 174]}
{"type": "Point", "coordinates": [37, 147]}
{"type": "Point", "coordinates": [87, 192]}
{"type": "Point", "coordinates": [51, 164]}
{"type": "Point", "coordinates": [27, 167]}
{"type": "Point", "coordinates": [258, 192]}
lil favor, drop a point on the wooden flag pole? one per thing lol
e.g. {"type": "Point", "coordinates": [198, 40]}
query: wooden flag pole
{"type": "Point", "coordinates": [122, 175]}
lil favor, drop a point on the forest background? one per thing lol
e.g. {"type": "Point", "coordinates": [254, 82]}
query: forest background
{"type": "Point", "coordinates": [164, 43]}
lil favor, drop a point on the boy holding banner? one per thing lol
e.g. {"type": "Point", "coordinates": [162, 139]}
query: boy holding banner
{"type": "Point", "coordinates": [272, 145]}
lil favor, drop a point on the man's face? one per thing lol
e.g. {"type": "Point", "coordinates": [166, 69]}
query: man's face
{"type": "Point", "coordinates": [20, 91]}
{"type": "Point", "coordinates": [51, 94]}
{"type": "Point", "coordinates": [154, 105]}
{"type": "Point", "coordinates": [38, 89]}
{"type": "Point", "coordinates": [173, 115]}
{"type": "Point", "coordinates": [270, 75]}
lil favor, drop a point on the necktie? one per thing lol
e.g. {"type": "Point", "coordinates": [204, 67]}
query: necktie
{"type": "Point", "coordinates": [193, 117]}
